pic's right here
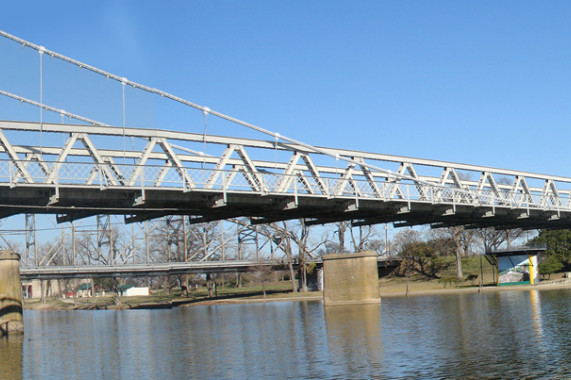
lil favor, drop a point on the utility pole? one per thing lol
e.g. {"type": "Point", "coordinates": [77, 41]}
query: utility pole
{"type": "Point", "coordinates": [387, 239]}
{"type": "Point", "coordinates": [147, 240]}
{"type": "Point", "coordinates": [73, 243]}
{"type": "Point", "coordinates": [31, 237]}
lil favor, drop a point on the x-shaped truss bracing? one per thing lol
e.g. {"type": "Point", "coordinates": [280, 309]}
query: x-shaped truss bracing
{"type": "Point", "coordinates": [377, 187]}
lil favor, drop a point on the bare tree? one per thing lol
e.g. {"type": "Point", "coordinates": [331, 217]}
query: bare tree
{"type": "Point", "coordinates": [340, 232]}
{"type": "Point", "coordinates": [404, 238]}
{"type": "Point", "coordinates": [283, 240]}
{"type": "Point", "coordinates": [491, 238]}
{"type": "Point", "coordinates": [289, 238]}
{"type": "Point", "coordinates": [463, 240]}
{"type": "Point", "coordinates": [263, 274]}
{"type": "Point", "coordinates": [365, 239]}
{"type": "Point", "coordinates": [512, 235]}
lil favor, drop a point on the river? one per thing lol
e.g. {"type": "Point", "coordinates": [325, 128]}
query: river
{"type": "Point", "coordinates": [508, 334]}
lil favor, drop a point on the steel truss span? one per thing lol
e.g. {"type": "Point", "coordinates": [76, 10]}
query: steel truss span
{"type": "Point", "coordinates": [98, 271]}
{"type": "Point", "coordinates": [80, 171]}
{"type": "Point", "coordinates": [233, 266]}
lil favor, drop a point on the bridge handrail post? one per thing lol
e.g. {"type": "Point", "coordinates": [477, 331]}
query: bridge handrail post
{"type": "Point", "coordinates": [408, 195]}
{"type": "Point", "coordinates": [11, 173]}
{"type": "Point", "coordinates": [99, 169]}
{"type": "Point", "coordinates": [295, 190]}
{"type": "Point", "coordinates": [224, 184]}
{"type": "Point", "coordinates": [142, 181]}
{"type": "Point", "coordinates": [527, 209]}
{"type": "Point", "coordinates": [56, 176]}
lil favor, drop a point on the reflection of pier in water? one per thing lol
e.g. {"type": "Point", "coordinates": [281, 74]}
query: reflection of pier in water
{"type": "Point", "coordinates": [354, 335]}
{"type": "Point", "coordinates": [11, 348]}
{"type": "Point", "coordinates": [535, 301]}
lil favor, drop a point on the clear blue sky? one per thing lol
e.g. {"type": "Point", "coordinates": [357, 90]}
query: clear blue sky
{"type": "Point", "coordinates": [485, 82]}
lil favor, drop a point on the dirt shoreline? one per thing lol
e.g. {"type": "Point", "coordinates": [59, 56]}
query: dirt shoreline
{"type": "Point", "coordinates": [312, 296]}
{"type": "Point", "coordinates": [475, 289]}
{"type": "Point", "coordinates": [388, 292]}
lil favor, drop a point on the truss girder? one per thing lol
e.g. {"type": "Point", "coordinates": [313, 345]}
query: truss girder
{"type": "Point", "coordinates": [96, 158]}
{"type": "Point", "coordinates": [15, 159]}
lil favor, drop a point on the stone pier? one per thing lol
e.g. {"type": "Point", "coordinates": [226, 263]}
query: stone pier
{"type": "Point", "coordinates": [350, 279]}
{"type": "Point", "coordinates": [11, 321]}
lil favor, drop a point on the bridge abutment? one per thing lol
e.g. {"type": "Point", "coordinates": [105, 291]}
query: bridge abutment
{"type": "Point", "coordinates": [350, 279]}
{"type": "Point", "coordinates": [11, 319]}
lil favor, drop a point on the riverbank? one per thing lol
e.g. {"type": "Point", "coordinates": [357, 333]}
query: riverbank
{"type": "Point", "coordinates": [399, 289]}
{"type": "Point", "coordinates": [392, 287]}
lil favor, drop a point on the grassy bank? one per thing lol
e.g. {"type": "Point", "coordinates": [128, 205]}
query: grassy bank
{"type": "Point", "coordinates": [391, 285]}
{"type": "Point", "coordinates": [280, 291]}
{"type": "Point", "coordinates": [272, 290]}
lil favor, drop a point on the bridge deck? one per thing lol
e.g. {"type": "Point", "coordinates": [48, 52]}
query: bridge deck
{"type": "Point", "coordinates": [81, 179]}
{"type": "Point", "coordinates": [96, 271]}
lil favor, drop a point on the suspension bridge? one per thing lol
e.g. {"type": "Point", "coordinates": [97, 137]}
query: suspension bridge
{"type": "Point", "coordinates": [85, 169]}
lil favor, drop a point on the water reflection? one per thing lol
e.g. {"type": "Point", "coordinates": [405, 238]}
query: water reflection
{"type": "Point", "coordinates": [489, 335]}
{"type": "Point", "coordinates": [535, 300]}
{"type": "Point", "coordinates": [11, 348]}
{"type": "Point", "coordinates": [354, 338]}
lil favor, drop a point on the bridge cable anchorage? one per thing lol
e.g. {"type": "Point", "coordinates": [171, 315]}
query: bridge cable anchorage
{"type": "Point", "coordinates": [206, 109]}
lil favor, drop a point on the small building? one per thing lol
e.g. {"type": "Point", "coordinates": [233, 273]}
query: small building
{"type": "Point", "coordinates": [518, 266]}
{"type": "Point", "coordinates": [34, 288]}
{"type": "Point", "coordinates": [131, 290]}
{"type": "Point", "coordinates": [27, 289]}
{"type": "Point", "coordinates": [84, 290]}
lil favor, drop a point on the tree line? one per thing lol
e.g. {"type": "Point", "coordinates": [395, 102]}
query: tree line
{"type": "Point", "coordinates": [178, 239]}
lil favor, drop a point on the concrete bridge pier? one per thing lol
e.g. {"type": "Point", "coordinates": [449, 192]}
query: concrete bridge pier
{"type": "Point", "coordinates": [350, 279]}
{"type": "Point", "coordinates": [11, 319]}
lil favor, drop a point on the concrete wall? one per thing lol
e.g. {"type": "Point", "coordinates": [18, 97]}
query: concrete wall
{"type": "Point", "coordinates": [140, 291]}
{"type": "Point", "coordinates": [11, 320]}
{"type": "Point", "coordinates": [350, 279]}
{"type": "Point", "coordinates": [34, 288]}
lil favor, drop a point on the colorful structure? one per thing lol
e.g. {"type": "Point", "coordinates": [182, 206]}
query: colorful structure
{"type": "Point", "coordinates": [517, 266]}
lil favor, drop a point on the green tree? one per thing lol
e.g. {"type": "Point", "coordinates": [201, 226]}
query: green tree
{"type": "Point", "coordinates": [425, 257]}
{"type": "Point", "coordinates": [550, 266]}
{"type": "Point", "coordinates": [558, 243]}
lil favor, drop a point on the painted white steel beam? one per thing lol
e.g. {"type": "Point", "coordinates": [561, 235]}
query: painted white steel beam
{"type": "Point", "coordinates": [96, 157]}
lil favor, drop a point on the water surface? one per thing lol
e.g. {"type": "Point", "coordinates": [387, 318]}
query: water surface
{"type": "Point", "coordinates": [509, 334]}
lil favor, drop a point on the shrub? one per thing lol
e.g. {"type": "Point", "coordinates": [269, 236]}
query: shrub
{"type": "Point", "coordinates": [472, 277]}
{"type": "Point", "coordinates": [550, 266]}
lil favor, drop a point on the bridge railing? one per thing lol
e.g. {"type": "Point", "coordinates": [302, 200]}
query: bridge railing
{"type": "Point", "coordinates": [253, 181]}
{"type": "Point", "coordinates": [174, 161]}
